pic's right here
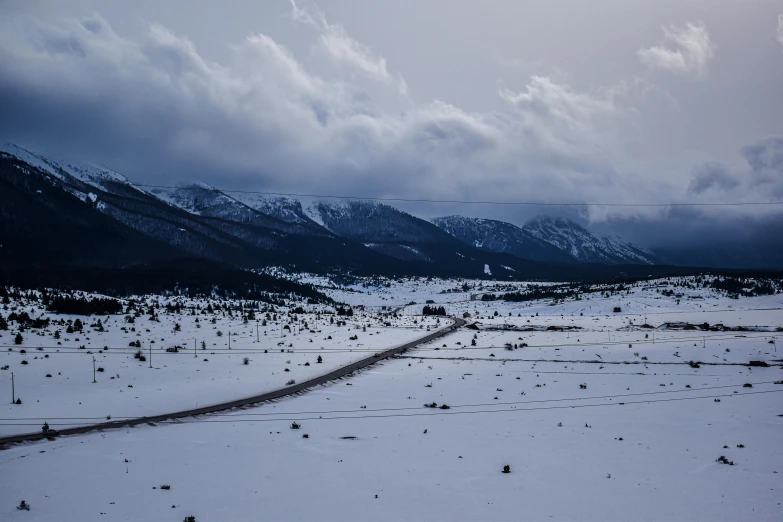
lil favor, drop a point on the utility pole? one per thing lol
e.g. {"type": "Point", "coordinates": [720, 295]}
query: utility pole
{"type": "Point", "coordinates": [93, 371]}
{"type": "Point", "coordinates": [13, 396]}
{"type": "Point", "coordinates": [194, 348]}
{"type": "Point", "coordinates": [257, 339]}
{"type": "Point", "coordinates": [150, 355]}
{"type": "Point", "coordinates": [229, 340]}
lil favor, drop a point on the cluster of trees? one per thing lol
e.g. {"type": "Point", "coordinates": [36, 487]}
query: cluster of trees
{"type": "Point", "coordinates": [65, 304]}
{"type": "Point", "coordinates": [348, 312]}
{"type": "Point", "coordinates": [24, 320]}
{"type": "Point", "coordinates": [575, 290]}
{"type": "Point", "coordinates": [433, 310]}
{"type": "Point", "coordinates": [737, 286]}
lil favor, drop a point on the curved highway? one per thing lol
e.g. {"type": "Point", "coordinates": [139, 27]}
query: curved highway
{"type": "Point", "coordinates": [343, 371]}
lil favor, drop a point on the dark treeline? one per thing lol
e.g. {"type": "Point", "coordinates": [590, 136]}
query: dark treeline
{"type": "Point", "coordinates": [752, 284]}
{"type": "Point", "coordinates": [739, 286]}
{"type": "Point", "coordinates": [190, 278]}
{"type": "Point", "coordinates": [348, 312]}
{"type": "Point", "coordinates": [64, 304]}
{"type": "Point", "coordinates": [534, 292]}
{"type": "Point", "coordinates": [433, 310]}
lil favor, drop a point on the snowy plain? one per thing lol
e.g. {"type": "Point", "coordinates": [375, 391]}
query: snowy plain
{"type": "Point", "coordinates": [59, 377]}
{"type": "Point", "coordinates": [603, 420]}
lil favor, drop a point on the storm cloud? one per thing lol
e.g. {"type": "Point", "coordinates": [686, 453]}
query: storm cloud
{"type": "Point", "coordinates": [328, 113]}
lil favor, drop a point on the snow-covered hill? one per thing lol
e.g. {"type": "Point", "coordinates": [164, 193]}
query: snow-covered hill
{"type": "Point", "coordinates": [205, 200]}
{"type": "Point", "coordinates": [285, 209]}
{"type": "Point", "coordinates": [74, 175]}
{"type": "Point", "coordinates": [498, 236]}
{"type": "Point", "coordinates": [380, 227]}
{"type": "Point", "coordinates": [584, 246]}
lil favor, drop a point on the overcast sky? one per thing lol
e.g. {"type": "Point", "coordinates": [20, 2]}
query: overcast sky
{"type": "Point", "coordinates": [546, 101]}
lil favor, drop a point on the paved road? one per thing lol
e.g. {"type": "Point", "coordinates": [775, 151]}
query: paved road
{"type": "Point", "coordinates": [276, 394]}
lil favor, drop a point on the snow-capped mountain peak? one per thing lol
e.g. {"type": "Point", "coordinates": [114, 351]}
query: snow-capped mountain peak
{"type": "Point", "coordinates": [498, 236]}
{"type": "Point", "coordinates": [283, 208]}
{"type": "Point", "coordinates": [92, 174]}
{"type": "Point", "coordinates": [583, 245]}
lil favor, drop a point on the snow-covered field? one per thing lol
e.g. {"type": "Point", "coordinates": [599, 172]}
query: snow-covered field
{"type": "Point", "coordinates": [57, 384]}
{"type": "Point", "coordinates": [603, 420]}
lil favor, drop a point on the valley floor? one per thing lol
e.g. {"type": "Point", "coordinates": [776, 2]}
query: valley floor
{"type": "Point", "coordinates": [606, 420]}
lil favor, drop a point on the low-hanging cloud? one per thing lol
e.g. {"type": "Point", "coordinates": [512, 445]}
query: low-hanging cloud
{"type": "Point", "coordinates": [762, 180]}
{"type": "Point", "coordinates": [686, 50]}
{"type": "Point", "coordinates": [766, 162]}
{"type": "Point", "coordinates": [711, 175]}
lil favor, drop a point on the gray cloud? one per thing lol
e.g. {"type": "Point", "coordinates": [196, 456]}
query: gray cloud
{"type": "Point", "coordinates": [331, 114]}
{"type": "Point", "coordinates": [709, 176]}
{"type": "Point", "coordinates": [686, 50]}
{"type": "Point", "coordinates": [335, 42]}
{"type": "Point", "coordinates": [264, 118]}
{"type": "Point", "coordinates": [761, 180]}
{"type": "Point", "coordinates": [766, 161]}
{"type": "Point", "coordinates": [780, 29]}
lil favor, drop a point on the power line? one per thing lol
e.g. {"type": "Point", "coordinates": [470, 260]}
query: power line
{"type": "Point", "coordinates": [127, 350]}
{"type": "Point", "coordinates": [467, 202]}
{"type": "Point", "coordinates": [438, 413]}
{"type": "Point", "coordinates": [365, 410]}
{"type": "Point", "coordinates": [500, 403]}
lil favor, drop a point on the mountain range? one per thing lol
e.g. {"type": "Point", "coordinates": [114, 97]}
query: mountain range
{"type": "Point", "coordinates": [64, 214]}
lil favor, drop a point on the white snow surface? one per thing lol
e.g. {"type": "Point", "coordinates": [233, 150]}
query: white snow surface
{"type": "Point", "coordinates": [311, 210]}
{"type": "Point", "coordinates": [186, 379]}
{"type": "Point", "coordinates": [605, 421]}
